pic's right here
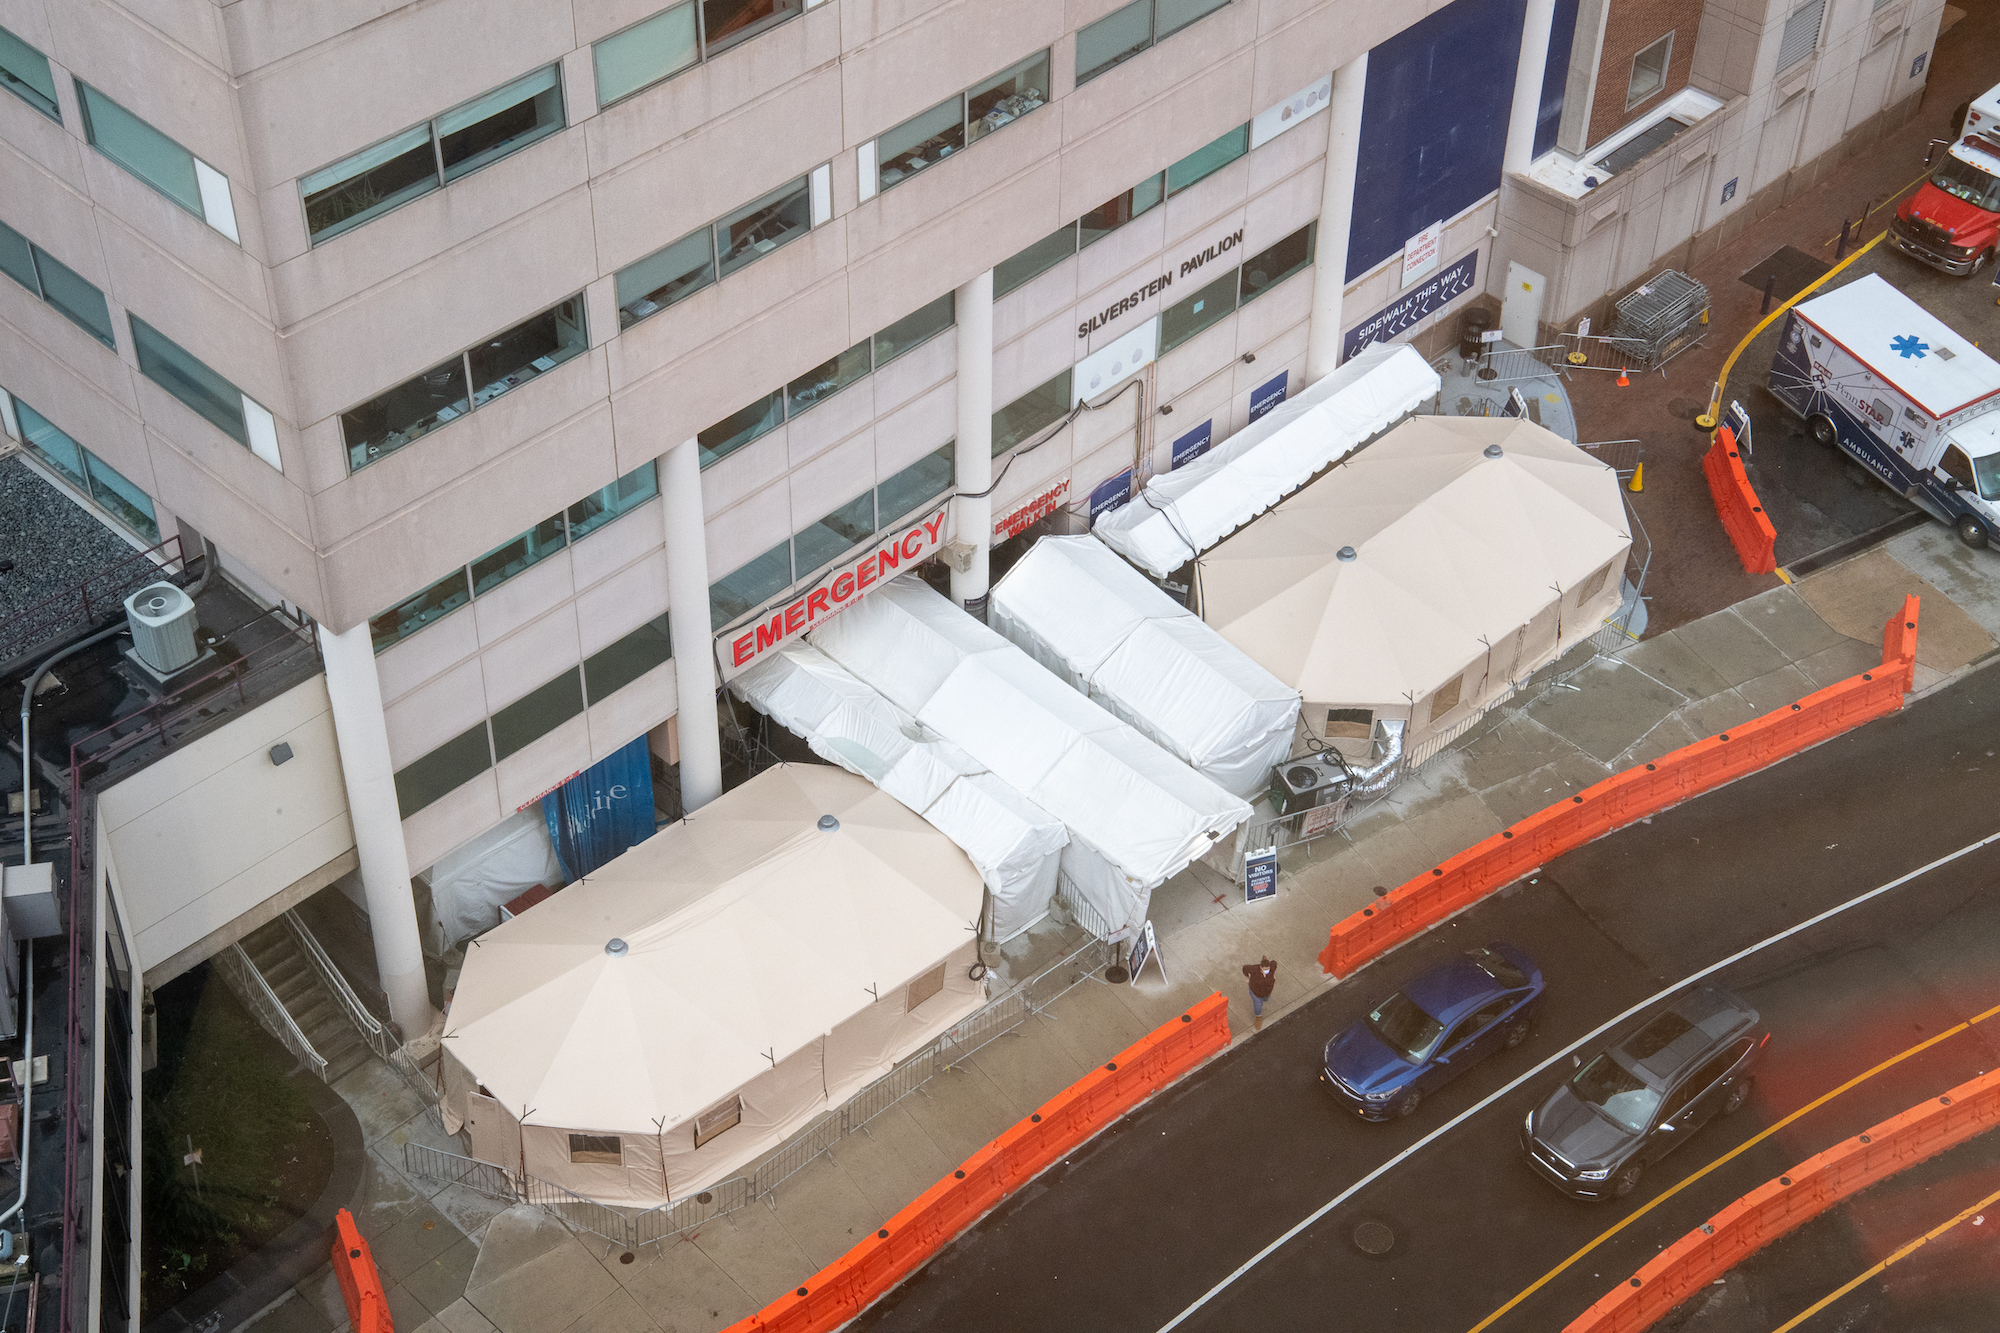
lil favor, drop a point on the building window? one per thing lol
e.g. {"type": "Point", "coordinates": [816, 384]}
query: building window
{"type": "Point", "coordinates": [368, 184]}
{"type": "Point", "coordinates": [1801, 35]}
{"type": "Point", "coordinates": [1120, 209]}
{"type": "Point", "coordinates": [187, 378]}
{"type": "Point", "coordinates": [1189, 316]}
{"type": "Point", "coordinates": [87, 472]}
{"type": "Point", "coordinates": [596, 1149]}
{"type": "Point", "coordinates": [712, 1122]}
{"type": "Point", "coordinates": [740, 427]}
{"type": "Point", "coordinates": [965, 117]}
{"type": "Point", "coordinates": [828, 378]}
{"type": "Point", "coordinates": [449, 390]}
{"type": "Point", "coordinates": [1446, 697]}
{"type": "Point", "coordinates": [25, 72]}
{"type": "Point", "coordinates": [646, 53]}
{"type": "Point", "coordinates": [916, 485]}
{"type": "Point", "coordinates": [1034, 261]}
{"type": "Point", "coordinates": [665, 276]}
{"type": "Point", "coordinates": [751, 585]}
{"type": "Point", "coordinates": [1649, 71]}
{"type": "Point", "coordinates": [1034, 410]}
{"type": "Point", "coordinates": [835, 535]}
{"type": "Point", "coordinates": [756, 229]}
{"type": "Point", "coordinates": [1267, 268]}
{"type": "Point", "coordinates": [1349, 724]}
{"type": "Point", "coordinates": [612, 668]}
{"type": "Point", "coordinates": [1124, 33]}
{"type": "Point", "coordinates": [444, 770]}
{"type": "Point", "coordinates": [532, 547]}
{"type": "Point", "coordinates": [157, 160]}
{"type": "Point", "coordinates": [55, 282]}
{"type": "Point", "coordinates": [724, 23]}
{"type": "Point", "coordinates": [1208, 159]}
{"type": "Point", "coordinates": [618, 499]}
{"type": "Point", "coordinates": [537, 713]}
{"type": "Point", "coordinates": [921, 325]}
{"type": "Point", "coordinates": [434, 603]}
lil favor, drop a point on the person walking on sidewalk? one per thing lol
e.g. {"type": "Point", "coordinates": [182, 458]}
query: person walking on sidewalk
{"type": "Point", "coordinates": [1263, 976]}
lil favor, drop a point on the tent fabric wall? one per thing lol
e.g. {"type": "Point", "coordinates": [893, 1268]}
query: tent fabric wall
{"type": "Point", "coordinates": [471, 883]}
{"type": "Point", "coordinates": [1184, 512]}
{"type": "Point", "coordinates": [1142, 812]}
{"type": "Point", "coordinates": [1104, 629]}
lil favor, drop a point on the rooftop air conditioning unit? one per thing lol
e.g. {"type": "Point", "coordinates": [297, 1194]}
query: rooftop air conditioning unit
{"type": "Point", "coordinates": [1301, 784]}
{"type": "Point", "coordinates": [161, 618]}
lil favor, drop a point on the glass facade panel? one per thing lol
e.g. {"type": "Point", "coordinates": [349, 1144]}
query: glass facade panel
{"type": "Point", "coordinates": [537, 713]}
{"type": "Point", "coordinates": [921, 141]}
{"type": "Point", "coordinates": [164, 362]}
{"type": "Point", "coordinates": [1185, 318]}
{"type": "Point", "coordinates": [737, 429]}
{"type": "Point", "coordinates": [434, 603]}
{"type": "Point", "coordinates": [445, 769]}
{"type": "Point", "coordinates": [1170, 16]}
{"type": "Point", "coordinates": [836, 534]}
{"type": "Point", "coordinates": [617, 665]}
{"type": "Point", "coordinates": [24, 72]}
{"type": "Point", "coordinates": [1115, 212]}
{"type": "Point", "coordinates": [139, 148]}
{"type": "Point", "coordinates": [407, 412]}
{"type": "Point", "coordinates": [1116, 37]}
{"type": "Point", "coordinates": [82, 302]}
{"type": "Point", "coordinates": [920, 482]}
{"type": "Point", "coordinates": [665, 276]}
{"type": "Point", "coordinates": [1208, 159]}
{"type": "Point", "coordinates": [52, 445]}
{"type": "Point", "coordinates": [921, 325]}
{"type": "Point", "coordinates": [503, 121]}
{"type": "Point", "coordinates": [369, 184]}
{"type": "Point", "coordinates": [532, 347]}
{"type": "Point", "coordinates": [1006, 97]}
{"type": "Point", "coordinates": [619, 498]}
{"type": "Point", "coordinates": [727, 22]}
{"type": "Point", "coordinates": [1267, 268]}
{"type": "Point", "coordinates": [645, 53]}
{"type": "Point", "coordinates": [121, 499]}
{"type": "Point", "coordinates": [828, 378]}
{"type": "Point", "coordinates": [746, 588]}
{"type": "Point", "coordinates": [1037, 259]}
{"type": "Point", "coordinates": [1031, 412]}
{"type": "Point", "coordinates": [503, 562]}
{"type": "Point", "coordinates": [17, 259]}
{"type": "Point", "coordinates": [757, 229]}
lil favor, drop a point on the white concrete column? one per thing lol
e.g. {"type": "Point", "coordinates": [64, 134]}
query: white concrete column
{"type": "Point", "coordinates": [1528, 87]}
{"type": "Point", "coordinates": [1336, 217]}
{"type": "Point", "coordinates": [365, 767]}
{"type": "Point", "coordinates": [694, 655]}
{"type": "Point", "coordinates": [974, 455]}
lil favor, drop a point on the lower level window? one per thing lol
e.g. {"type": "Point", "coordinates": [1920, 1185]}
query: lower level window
{"type": "Point", "coordinates": [537, 713]}
{"type": "Point", "coordinates": [87, 472]}
{"type": "Point", "coordinates": [618, 664]}
{"type": "Point", "coordinates": [749, 586]}
{"type": "Point", "coordinates": [753, 231]}
{"type": "Point", "coordinates": [596, 1149]}
{"type": "Point", "coordinates": [445, 769]}
{"type": "Point", "coordinates": [1034, 410]}
{"type": "Point", "coordinates": [1034, 261]}
{"type": "Point", "coordinates": [1120, 209]}
{"type": "Point", "coordinates": [1269, 267]}
{"type": "Point", "coordinates": [916, 485]}
{"type": "Point", "coordinates": [1185, 318]}
{"type": "Point", "coordinates": [836, 534]}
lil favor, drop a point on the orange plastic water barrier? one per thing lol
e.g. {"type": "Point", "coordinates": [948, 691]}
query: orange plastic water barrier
{"type": "Point", "coordinates": [844, 1288]}
{"type": "Point", "coordinates": [360, 1284]}
{"type": "Point", "coordinates": [1625, 797]}
{"type": "Point", "coordinates": [1798, 1196]}
{"type": "Point", "coordinates": [1748, 526]}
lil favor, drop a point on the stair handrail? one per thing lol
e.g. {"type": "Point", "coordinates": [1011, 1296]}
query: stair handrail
{"type": "Point", "coordinates": [379, 1038]}
{"type": "Point", "coordinates": [268, 1009]}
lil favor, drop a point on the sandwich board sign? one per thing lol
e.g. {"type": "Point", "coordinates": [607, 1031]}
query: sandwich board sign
{"type": "Point", "coordinates": [1145, 949]}
{"type": "Point", "coordinates": [1260, 874]}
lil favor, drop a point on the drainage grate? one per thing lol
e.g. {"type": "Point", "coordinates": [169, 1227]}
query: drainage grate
{"type": "Point", "coordinates": [1374, 1238]}
{"type": "Point", "coordinates": [1794, 269]}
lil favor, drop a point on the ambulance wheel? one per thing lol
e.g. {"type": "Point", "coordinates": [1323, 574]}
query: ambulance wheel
{"type": "Point", "coordinates": [1821, 428]}
{"type": "Point", "coordinates": [1972, 532]}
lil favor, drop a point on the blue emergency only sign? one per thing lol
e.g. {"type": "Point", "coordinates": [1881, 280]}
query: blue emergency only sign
{"type": "Point", "coordinates": [1436, 292]}
{"type": "Point", "coordinates": [1193, 444]}
{"type": "Point", "coordinates": [1268, 395]}
{"type": "Point", "coordinates": [1111, 494]}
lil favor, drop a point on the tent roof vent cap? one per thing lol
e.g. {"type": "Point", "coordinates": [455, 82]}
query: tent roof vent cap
{"type": "Point", "coordinates": [1494, 451]}
{"type": "Point", "coordinates": [828, 824]}
{"type": "Point", "coordinates": [1345, 553]}
{"type": "Point", "coordinates": [616, 947]}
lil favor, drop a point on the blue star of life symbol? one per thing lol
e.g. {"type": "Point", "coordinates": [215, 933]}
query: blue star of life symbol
{"type": "Point", "coordinates": [1908, 345]}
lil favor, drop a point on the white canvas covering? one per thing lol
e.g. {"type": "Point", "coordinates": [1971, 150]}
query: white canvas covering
{"type": "Point", "coordinates": [1136, 815]}
{"type": "Point", "coordinates": [1015, 845]}
{"type": "Point", "coordinates": [1184, 512]}
{"type": "Point", "coordinates": [1467, 570]}
{"type": "Point", "coordinates": [1100, 625]}
{"type": "Point", "coordinates": [756, 947]}
{"type": "Point", "coordinates": [470, 884]}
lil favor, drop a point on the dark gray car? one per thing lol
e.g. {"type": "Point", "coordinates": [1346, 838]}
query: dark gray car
{"type": "Point", "coordinates": [1638, 1101]}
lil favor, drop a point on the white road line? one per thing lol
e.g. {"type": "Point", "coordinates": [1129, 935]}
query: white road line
{"type": "Point", "coordinates": [1584, 1040]}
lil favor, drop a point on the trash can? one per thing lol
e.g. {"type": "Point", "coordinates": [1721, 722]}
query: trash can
{"type": "Point", "coordinates": [1470, 325]}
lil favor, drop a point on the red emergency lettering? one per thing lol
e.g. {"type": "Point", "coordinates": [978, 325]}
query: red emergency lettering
{"type": "Point", "coordinates": [864, 573]}
{"type": "Point", "coordinates": [771, 635]}
{"type": "Point", "coordinates": [816, 602]}
{"type": "Point", "coordinates": [913, 544]}
{"type": "Point", "coordinates": [843, 586]}
{"type": "Point", "coordinates": [739, 650]}
{"type": "Point", "coordinates": [931, 528]}
{"type": "Point", "coordinates": [795, 617]}
{"type": "Point", "coordinates": [887, 559]}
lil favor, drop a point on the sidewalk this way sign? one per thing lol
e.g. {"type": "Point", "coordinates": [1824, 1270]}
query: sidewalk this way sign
{"type": "Point", "coordinates": [1146, 949]}
{"type": "Point", "coordinates": [1260, 874]}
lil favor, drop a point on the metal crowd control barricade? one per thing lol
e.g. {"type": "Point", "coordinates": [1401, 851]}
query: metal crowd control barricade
{"type": "Point", "coordinates": [1662, 317]}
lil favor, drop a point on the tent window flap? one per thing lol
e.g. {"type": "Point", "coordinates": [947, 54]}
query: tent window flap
{"type": "Point", "coordinates": [601, 1149]}
{"type": "Point", "coordinates": [713, 1122]}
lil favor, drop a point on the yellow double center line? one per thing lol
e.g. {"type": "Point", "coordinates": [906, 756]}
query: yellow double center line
{"type": "Point", "coordinates": [1740, 1149]}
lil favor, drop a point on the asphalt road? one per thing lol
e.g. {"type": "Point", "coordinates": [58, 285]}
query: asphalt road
{"type": "Point", "coordinates": [1154, 1212]}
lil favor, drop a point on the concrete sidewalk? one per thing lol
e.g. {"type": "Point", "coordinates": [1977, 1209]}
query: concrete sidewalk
{"type": "Point", "coordinates": [459, 1263]}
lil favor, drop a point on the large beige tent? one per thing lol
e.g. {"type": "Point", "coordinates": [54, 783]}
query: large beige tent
{"type": "Point", "coordinates": [1420, 577]}
{"type": "Point", "coordinates": [680, 1012]}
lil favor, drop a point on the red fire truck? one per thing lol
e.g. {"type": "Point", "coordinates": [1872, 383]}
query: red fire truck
{"type": "Point", "coordinates": [1952, 222]}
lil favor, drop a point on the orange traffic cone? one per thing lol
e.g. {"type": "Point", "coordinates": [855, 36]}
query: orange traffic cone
{"type": "Point", "coordinates": [1624, 380]}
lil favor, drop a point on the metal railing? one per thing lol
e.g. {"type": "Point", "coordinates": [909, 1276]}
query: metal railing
{"type": "Point", "coordinates": [373, 1030]}
{"type": "Point", "coordinates": [1077, 910]}
{"type": "Point", "coordinates": [102, 593]}
{"type": "Point", "coordinates": [495, 1182]}
{"type": "Point", "coordinates": [1511, 365]}
{"type": "Point", "coordinates": [265, 1006]}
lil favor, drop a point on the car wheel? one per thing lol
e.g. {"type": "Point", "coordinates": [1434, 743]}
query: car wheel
{"type": "Point", "coordinates": [1626, 1181]}
{"type": "Point", "coordinates": [1517, 1034]}
{"type": "Point", "coordinates": [1737, 1096]}
{"type": "Point", "coordinates": [1972, 532]}
{"type": "Point", "coordinates": [1408, 1106]}
{"type": "Point", "coordinates": [1820, 426]}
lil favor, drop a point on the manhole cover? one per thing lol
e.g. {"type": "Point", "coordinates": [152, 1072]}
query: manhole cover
{"type": "Point", "coordinates": [1373, 1238]}
{"type": "Point", "coordinates": [1687, 409]}
{"type": "Point", "coordinates": [704, 1198]}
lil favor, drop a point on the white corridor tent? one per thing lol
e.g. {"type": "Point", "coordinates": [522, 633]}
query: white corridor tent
{"type": "Point", "coordinates": [747, 966]}
{"type": "Point", "coordinates": [1416, 581]}
{"type": "Point", "coordinates": [1184, 512]}
{"type": "Point", "coordinates": [1136, 814]}
{"type": "Point", "coordinates": [1099, 624]}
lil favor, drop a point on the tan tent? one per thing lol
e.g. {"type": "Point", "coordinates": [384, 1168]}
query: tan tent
{"type": "Point", "coordinates": [682, 1011]}
{"type": "Point", "coordinates": [1418, 578]}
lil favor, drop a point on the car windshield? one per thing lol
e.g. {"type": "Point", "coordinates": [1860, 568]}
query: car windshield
{"type": "Point", "coordinates": [1621, 1095]}
{"type": "Point", "coordinates": [1497, 967]}
{"type": "Point", "coordinates": [1979, 188]}
{"type": "Point", "coordinates": [1986, 472]}
{"type": "Point", "coordinates": [1404, 1028]}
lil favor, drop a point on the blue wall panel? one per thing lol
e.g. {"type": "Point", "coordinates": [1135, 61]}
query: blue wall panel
{"type": "Point", "coordinates": [1555, 75]}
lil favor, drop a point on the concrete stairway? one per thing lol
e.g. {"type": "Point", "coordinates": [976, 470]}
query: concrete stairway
{"type": "Point", "coordinates": [299, 988]}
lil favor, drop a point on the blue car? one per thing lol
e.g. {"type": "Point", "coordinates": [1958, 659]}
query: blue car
{"type": "Point", "coordinates": [1433, 1030]}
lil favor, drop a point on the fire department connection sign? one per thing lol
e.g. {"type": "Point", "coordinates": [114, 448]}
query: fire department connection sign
{"type": "Point", "coordinates": [836, 590]}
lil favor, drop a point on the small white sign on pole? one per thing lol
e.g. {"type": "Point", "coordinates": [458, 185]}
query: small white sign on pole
{"type": "Point", "coordinates": [1420, 253]}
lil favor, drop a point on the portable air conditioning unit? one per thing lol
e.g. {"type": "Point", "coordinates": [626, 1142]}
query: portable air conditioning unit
{"type": "Point", "coordinates": [1301, 784]}
{"type": "Point", "coordinates": [161, 618]}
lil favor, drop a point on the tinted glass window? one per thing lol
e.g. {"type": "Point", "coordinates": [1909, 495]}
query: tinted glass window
{"type": "Point", "coordinates": [610, 669]}
{"type": "Point", "coordinates": [1116, 37]}
{"type": "Point", "coordinates": [1267, 268]}
{"type": "Point", "coordinates": [737, 429]}
{"type": "Point", "coordinates": [370, 183]}
{"type": "Point", "coordinates": [24, 72]}
{"type": "Point", "coordinates": [530, 348]}
{"type": "Point", "coordinates": [504, 120]}
{"type": "Point", "coordinates": [645, 53]}
{"type": "Point", "coordinates": [1968, 182]}
{"type": "Point", "coordinates": [537, 713]}
{"type": "Point", "coordinates": [168, 365]}
{"type": "Point", "coordinates": [82, 302]}
{"type": "Point", "coordinates": [923, 480]}
{"type": "Point", "coordinates": [445, 769]}
{"type": "Point", "coordinates": [836, 534]}
{"type": "Point", "coordinates": [922, 324]}
{"type": "Point", "coordinates": [1173, 15]}
{"type": "Point", "coordinates": [1188, 317]}
{"type": "Point", "coordinates": [139, 148]}
{"type": "Point", "coordinates": [620, 497]}
{"type": "Point", "coordinates": [1704, 1078]}
{"type": "Point", "coordinates": [504, 562]}
{"type": "Point", "coordinates": [750, 585]}
{"type": "Point", "coordinates": [665, 276]}
{"type": "Point", "coordinates": [1006, 97]}
{"type": "Point", "coordinates": [1404, 1027]}
{"type": "Point", "coordinates": [124, 501]}
{"type": "Point", "coordinates": [52, 445]}
{"type": "Point", "coordinates": [1621, 1095]}
{"type": "Point", "coordinates": [407, 412]}
{"type": "Point", "coordinates": [755, 230]}
{"type": "Point", "coordinates": [922, 141]}
{"type": "Point", "coordinates": [1031, 412]}
{"type": "Point", "coordinates": [1037, 259]}
{"type": "Point", "coordinates": [727, 22]}
{"type": "Point", "coordinates": [828, 378]}
{"type": "Point", "coordinates": [1208, 159]}
{"type": "Point", "coordinates": [17, 259]}
{"type": "Point", "coordinates": [407, 617]}
{"type": "Point", "coordinates": [1114, 213]}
